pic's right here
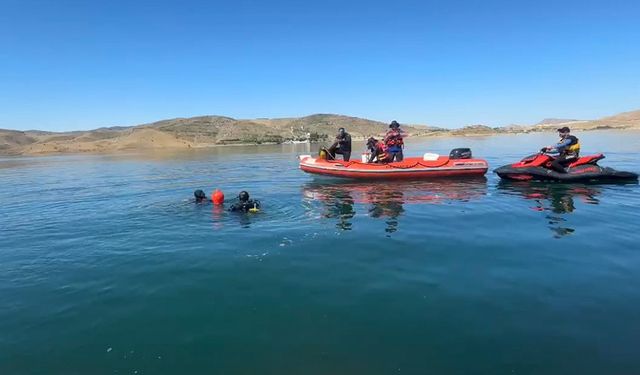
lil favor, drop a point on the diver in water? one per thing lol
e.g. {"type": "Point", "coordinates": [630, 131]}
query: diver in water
{"type": "Point", "coordinates": [244, 204]}
{"type": "Point", "coordinates": [200, 196]}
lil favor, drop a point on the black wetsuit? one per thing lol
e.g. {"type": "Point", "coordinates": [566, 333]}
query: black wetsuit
{"type": "Point", "coordinates": [244, 206]}
{"type": "Point", "coordinates": [342, 145]}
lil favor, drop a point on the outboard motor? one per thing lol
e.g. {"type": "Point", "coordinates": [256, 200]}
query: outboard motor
{"type": "Point", "coordinates": [460, 153]}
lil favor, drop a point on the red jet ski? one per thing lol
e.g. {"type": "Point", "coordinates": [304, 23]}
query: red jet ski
{"type": "Point", "coordinates": [586, 168]}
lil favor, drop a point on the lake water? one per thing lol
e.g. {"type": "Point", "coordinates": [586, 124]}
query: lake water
{"type": "Point", "coordinates": [107, 267]}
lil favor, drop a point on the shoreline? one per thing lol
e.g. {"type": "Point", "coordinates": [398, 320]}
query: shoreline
{"type": "Point", "coordinates": [137, 150]}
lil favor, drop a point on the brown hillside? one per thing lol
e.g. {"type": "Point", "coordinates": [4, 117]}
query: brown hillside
{"type": "Point", "coordinates": [204, 131]}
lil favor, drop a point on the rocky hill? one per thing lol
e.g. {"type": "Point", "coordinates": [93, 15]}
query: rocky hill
{"type": "Point", "coordinates": [555, 121]}
{"type": "Point", "coordinates": [206, 131]}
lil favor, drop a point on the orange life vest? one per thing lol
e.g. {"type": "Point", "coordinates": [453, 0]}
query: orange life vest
{"type": "Point", "coordinates": [394, 138]}
{"type": "Point", "coordinates": [383, 149]}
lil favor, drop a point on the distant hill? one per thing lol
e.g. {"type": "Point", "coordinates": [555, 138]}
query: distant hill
{"type": "Point", "coordinates": [207, 131]}
{"type": "Point", "coordinates": [620, 121]}
{"type": "Point", "coordinates": [475, 130]}
{"type": "Point", "coordinates": [554, 121]}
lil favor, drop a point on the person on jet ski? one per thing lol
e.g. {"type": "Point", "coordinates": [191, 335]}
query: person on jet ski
{"type": "Point", "coordinates": [568, 149]}
{"type": "Point", "coordinates": [378, 151]}
{"type": "Point", "coordinates": [244, 204]}
{"type": "Point", "coordinates": [341, 145]}
{"type": "Point", "coordinates": [394, 141]}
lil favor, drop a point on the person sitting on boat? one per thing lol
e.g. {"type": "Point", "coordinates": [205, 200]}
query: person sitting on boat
{"type": "Point", "coordinates": [244, 204]}
{"type": "Point", "coordinates": [394, 141]}
{"type": "Point", "coordinates": [378, 151]}
{"type": "Point", "coordinates": [341, 145]}
{"type": "Point", "coordinates": [568, 149]}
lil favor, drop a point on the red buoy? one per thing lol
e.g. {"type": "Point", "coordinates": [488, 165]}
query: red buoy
{"type": "Point", "coordinates": [217, 197]}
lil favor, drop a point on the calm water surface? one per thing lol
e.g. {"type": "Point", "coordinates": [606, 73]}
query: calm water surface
{"type": "Point", "coordinates": [107, 267]}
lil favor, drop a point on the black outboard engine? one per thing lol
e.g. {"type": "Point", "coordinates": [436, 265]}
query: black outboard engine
{"type": "Point", "coordinates": [460, 153]}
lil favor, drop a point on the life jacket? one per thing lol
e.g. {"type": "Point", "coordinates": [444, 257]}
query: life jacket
{"type": "Point", "coordinates": [574, 147]}
{"type": "Point", "coordinates": [382, 151]}
{"type": "Point", "coordinates": [394, 138]}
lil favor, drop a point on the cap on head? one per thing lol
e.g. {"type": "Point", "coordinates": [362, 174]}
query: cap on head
{"type": "Point", "coordinates": [394, 124]}
{"type": "Point", "coordinates": [243, 196]}
{"type": "Point", "coordinates": [564, 130]}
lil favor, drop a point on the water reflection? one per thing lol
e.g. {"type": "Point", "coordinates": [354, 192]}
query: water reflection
{"type": "Point", "coordinates": [387, 204]}
{"type": "Point", "coordinates": [337, 204]}
{"type": "Point", "coordinates": [336, 199]}
{"type": "Point", "coordinates": [554, 200]}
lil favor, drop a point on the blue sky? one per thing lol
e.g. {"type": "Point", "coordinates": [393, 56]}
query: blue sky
{"type": "Point", "coordinates": [68, 65]}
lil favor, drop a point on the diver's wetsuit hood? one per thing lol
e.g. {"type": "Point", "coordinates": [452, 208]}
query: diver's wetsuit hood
{"type": "Point", "coordinates": [243, 196]}
{"type": "Point", "coordinates": [199, 195]}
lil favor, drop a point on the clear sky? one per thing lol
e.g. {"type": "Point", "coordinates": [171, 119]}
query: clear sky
{"type": "Point", "coordinates": [68, 65]}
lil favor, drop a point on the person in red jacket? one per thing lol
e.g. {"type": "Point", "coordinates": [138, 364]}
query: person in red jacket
{"type": "Point", "coordinates": [394, 141]}
{"type": "Point", "coordinates": [378, 150]}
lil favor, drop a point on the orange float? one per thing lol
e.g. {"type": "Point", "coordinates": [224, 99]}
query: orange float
{"type": "Point", "coordinates": [217, 197]}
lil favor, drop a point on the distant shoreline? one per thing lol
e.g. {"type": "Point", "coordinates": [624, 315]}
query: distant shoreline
{"type": "Point", "coordinates": [134, 150]}
{"type": "Point", "coordinates": [215, 131]}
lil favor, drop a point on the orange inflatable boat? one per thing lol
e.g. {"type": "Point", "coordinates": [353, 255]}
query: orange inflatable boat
{"type": "Point", "coordinates": [457, 164]}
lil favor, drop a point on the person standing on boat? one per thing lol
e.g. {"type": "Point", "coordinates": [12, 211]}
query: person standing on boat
{"type": "Point", "coordinates": [378, 150]}
{"type": "Point", "coordinates": [568, 149]}
{"type": "Point", "coordinates": [341, 145]}
{"type": "Point", "coordinates": [394, 141]}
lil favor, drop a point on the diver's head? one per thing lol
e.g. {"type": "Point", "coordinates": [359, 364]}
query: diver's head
{"type": "Point", "coordinates": [199, 195]}
{"type": "Point", "coordinates": [341, 131]}
{"type": "Point", "coordinates": [243, 196]}
{"type": "Point", "coordinates": [371, 141]}
{"type": "Point", "coordinates": [394, 124]}
{"type": "Point", "coordinates": [564, 131]}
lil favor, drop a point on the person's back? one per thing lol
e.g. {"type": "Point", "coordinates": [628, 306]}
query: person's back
{"type": "Point", "coordinates": [378, 151]}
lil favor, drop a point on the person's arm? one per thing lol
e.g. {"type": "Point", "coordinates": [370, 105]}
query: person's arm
{"type": "Point", "coordinates": [564, 143]}
{"type": "Point", "coordinates": [561, 145]}
{"type": "Point", "coordinates": [386, 137]}
{"type": "Point", "coordinates": [334, 146]}
{"type": "Point", "coordinates": [374, 153]}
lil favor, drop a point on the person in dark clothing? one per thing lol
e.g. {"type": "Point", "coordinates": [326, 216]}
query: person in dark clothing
{"type": "Point", "coordinates": [244, 204]}
{"type": "Point", "coordinates": [568, 149]}
{"type": "Point", "coordinates": [394, 141]}
{"type": "Point", "coordinates": [341, 145]}
{"type": "Point", "coordinates": [200, 196]}
{"type": "Point", "coordinates": [378, 151]}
